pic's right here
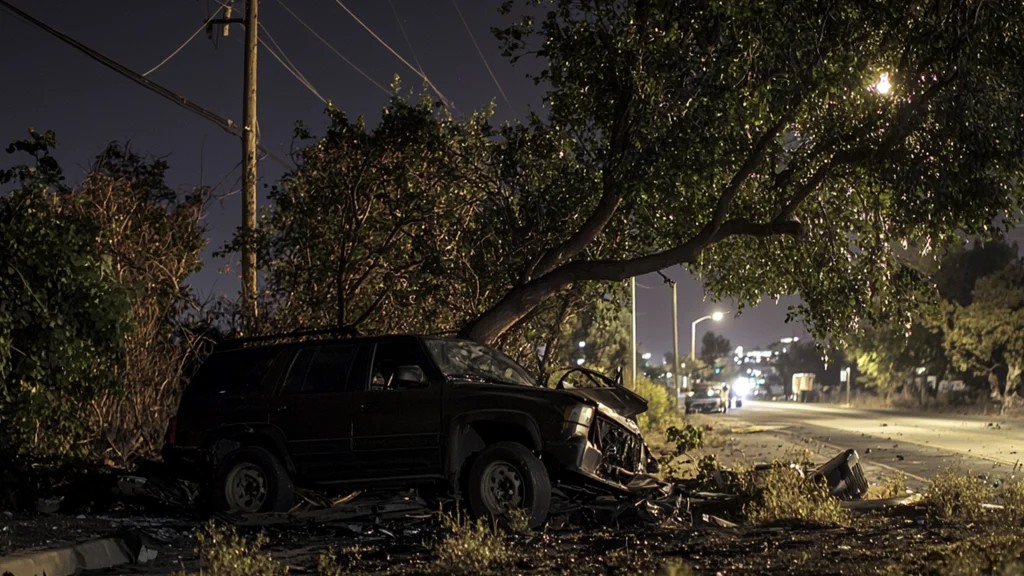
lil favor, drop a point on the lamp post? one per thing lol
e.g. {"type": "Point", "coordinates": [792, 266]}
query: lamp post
{"type": "Point", "coordinates": [675, 345]}
{"type": "Point", "coordinates": [632, 333]}
{"type": "Point", "coordinates": [717, 316]}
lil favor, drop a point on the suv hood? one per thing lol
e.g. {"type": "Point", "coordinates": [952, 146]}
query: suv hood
{"type": "Point", "coordinates": [621, 400]}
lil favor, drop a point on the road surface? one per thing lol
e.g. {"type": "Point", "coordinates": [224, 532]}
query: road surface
{"type": "Point", "coordinates": [920, 445]}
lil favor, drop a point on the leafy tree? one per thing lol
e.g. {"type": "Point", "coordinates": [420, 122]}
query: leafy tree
{"type": "Point", "coordinates": [747, 141]}
{"type": "Point", "coordinates": [988, 334]}
{"type": "Point", "coordinates": [63, 311]}
{"type": "Point", "coordinates": [714, 346]}
{"type": "Point", "coordinates": [603, 323]}
{"type": "Point", "coordinates": [889, 354]}
{"type": "Point", "coordinates": [961, 268]}
{"type": "Point", "coordinates": [377, 228]}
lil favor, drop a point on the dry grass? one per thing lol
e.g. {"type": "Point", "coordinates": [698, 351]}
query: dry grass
{"type": "Point", "coordinates": [222, 552]}
{"type": "Point", "coordinates": [892, 485]}
{"type": "Point", "coordinates": [470, 547]}
{"type": "Point", "coordinates": [957, 496]}
{"type": "Point", "coordinates": [781, 495]}
{"type": "Point", "coordinates": [1012, 498]}
{"type": "Point", "coordinates": [345, 563]}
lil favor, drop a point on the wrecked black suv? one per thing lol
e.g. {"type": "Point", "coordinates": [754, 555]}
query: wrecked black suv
{"type": "Point", "coordinates": [263, 415]}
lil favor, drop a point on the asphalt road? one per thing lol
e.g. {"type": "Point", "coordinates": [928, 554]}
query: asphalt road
{"type": "Point", "coordinates": [920, 445]}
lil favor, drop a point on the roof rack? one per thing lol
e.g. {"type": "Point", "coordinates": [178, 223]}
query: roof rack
{"type": "Point", "coordinates": [234, 343]}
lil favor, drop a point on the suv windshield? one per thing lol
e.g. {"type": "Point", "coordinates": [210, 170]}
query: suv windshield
{"type": "Point", "coordinates": [464, 359]}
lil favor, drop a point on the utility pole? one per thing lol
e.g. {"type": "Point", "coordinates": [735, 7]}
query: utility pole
{"type": "Point", "coordinates": [632, 337]}
{"type": "Point", "coordinates": [250, 312]}
{"type": "Point", "coordinates": [849, 376]}
{"type": "Point", "coordinates": [249, 167]}
{"type": "Point", "coordinates": [675, 343]}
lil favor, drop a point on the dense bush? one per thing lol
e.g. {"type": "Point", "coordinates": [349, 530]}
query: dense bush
{"type": "Point", "coordinates": [92, 342]}
{"type": "Point", "coordinates": [661, 412]}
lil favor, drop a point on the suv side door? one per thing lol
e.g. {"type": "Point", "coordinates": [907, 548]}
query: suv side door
{"type": "Point", "coordinates": [396, 425]}
{"type": "Point", "coordinates": [313, 408]}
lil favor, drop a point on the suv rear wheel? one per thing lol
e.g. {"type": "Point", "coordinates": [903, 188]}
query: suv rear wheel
{"type": "Point", "coordinates": [507, 476]}
{"type": "Point", "coordinates": [251, 479]}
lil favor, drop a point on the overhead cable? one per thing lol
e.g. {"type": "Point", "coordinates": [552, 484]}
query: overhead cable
{"type": "Point", "coordinates": [482, 58]}
{"type": "Point", "coordinates": [333, 49]}
{"type": "Point", "coordinates": [408, 42]}
{"type": "Point", "coordinates": [447, 103]}
{"type": "Point", "coordinates": [186, 43]}
{"type": "Point", "coordinates": [284, 61]}
{"type": "Point", "coordinates": [221, 122]}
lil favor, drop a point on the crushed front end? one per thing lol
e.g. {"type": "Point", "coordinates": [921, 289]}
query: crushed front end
{"type": "Point", "coordinates": [607, 455]}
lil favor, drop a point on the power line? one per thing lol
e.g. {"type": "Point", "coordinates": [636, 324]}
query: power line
{"type": "Point", "coordinates": [482, 59]}
{"type": "Point", "coordinates": [291, 68]}
{"type": "Point", "coordinates": [180, 48]}
{"type": "Point", "coordinates": [221, 122]}
{"type": "Point", "coordinates": [294, 72]}
{"type": "Point", "coordinates": [333, 49]}
{"type": "Point", "coordinates": [396, 54]}
{"type": "Point", "coordinates": [408, 42]}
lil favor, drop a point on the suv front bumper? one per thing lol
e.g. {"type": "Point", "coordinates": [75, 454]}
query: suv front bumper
{"type": "Point", "coordinates": [584, 460]}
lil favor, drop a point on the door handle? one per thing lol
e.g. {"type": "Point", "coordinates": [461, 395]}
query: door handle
{"type": "Point", "coordinates": [284, 408]}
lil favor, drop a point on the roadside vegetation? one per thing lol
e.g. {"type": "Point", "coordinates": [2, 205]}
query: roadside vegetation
{"type": "Point", "coordinates": [782, 495]}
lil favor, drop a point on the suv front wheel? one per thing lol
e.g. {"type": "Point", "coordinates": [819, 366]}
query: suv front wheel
{"type": "Point", "coordinates": [250, 480]}
{"type": "Point", "coordinates": [507, 476]}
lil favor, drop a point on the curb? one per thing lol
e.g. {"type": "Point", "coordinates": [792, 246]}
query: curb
{"type": "Point", "coordinates": [70, 560]}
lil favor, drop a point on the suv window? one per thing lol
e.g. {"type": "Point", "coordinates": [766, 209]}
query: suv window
{"type": "Point", "coordinates": [320, 369]}
{"type": "Point", "coordinates": [234, 372]}
{"type": "Point", "coordinates": [389, 356]}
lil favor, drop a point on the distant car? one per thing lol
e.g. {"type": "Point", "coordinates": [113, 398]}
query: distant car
{"type": "Point", "coordinates": [262, 416]}
{"type": "Point", "coordinates": [707, 398]}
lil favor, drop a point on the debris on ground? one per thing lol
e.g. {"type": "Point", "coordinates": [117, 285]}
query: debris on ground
{"type": "Point", "coordinates": [844, 476]}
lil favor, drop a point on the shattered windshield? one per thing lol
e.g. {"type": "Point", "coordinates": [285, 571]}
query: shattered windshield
{"type": "Point", "coordinates": [464, 359]}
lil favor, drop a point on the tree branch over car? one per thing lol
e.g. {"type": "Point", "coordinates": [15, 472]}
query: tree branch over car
{"type": "Point", "coordinates": [746, 142]}
{"type": "Point", "coordinates": [686, 109]}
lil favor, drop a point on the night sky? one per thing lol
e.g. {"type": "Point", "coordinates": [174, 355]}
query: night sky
{"type": "Point", "coordinates": [49, 85]}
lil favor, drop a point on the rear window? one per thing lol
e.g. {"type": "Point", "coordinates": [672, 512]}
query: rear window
{"type": "Point", "coordinates": [234, 372]}
{"type": "Point", "coordinates": [321, 369]}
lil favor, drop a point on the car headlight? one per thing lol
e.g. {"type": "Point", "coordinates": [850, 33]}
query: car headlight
{"type": "Point", "coordinates": [711, 393]}
{"type": "Point", "coordinates": [578, 419]}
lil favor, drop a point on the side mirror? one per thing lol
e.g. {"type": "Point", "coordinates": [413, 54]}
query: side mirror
{"type": "Point", "coordinates": [409, 375]}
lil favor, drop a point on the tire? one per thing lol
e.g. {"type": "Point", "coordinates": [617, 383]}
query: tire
{"type": "Point", "coordinates": [502, 463]}
{"type": "Point", "coordinates": [260, 475]}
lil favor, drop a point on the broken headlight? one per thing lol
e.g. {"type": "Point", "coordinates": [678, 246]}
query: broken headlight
{"type": "Point", "coordinates": [578, 419]}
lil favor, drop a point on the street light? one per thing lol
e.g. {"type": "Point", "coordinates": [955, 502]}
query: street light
{"type": "Point", "coordinates": [646, 356]}
{"type": "Point", "coordinates": [717, 317]}
{"type": "Point", "coordinates": [583, 344]}
{"type": "Point", "coordinates": [579, 361]}
{"type": "Point", "coordinates": [883, 86]}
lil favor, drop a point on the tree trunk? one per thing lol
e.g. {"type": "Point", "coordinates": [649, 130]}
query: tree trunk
{"type": "Point", "coordinates": [1013, 373]}
{"type": "Point", "coordinates": [993, 384]}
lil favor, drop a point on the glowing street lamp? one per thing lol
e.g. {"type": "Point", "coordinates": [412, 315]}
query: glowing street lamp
{"type": "Point", "coordinates": [883, 86]}
{"type": "Point", "coordinates": [646, 356]}
{"type": "Point", "coordinates": [716, 317]}
{"type": "Point", "coordinates": [582, 344]}
{"type": "Point", "coordinates": [579, 361]}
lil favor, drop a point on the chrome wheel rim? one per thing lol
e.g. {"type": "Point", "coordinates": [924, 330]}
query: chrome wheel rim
{"type": "Point", "coordinates": [503, 488]}
{"type": "Point", "coordinates": [246, 488]}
